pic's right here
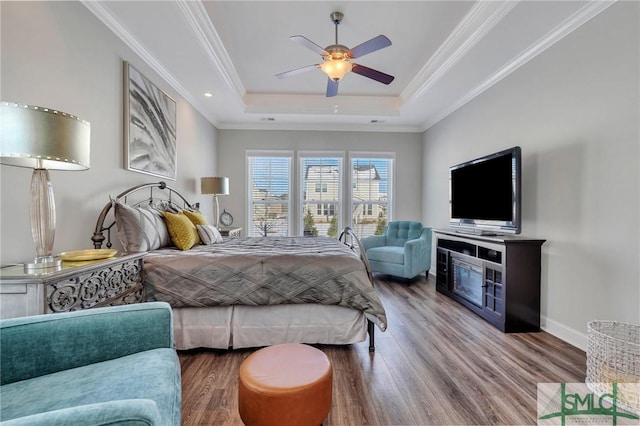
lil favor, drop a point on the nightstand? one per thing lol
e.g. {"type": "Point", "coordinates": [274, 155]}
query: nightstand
{"type": "Point", "coordinates": [78, 285]}
{"type": "Point", "coordinates": [230, 231]}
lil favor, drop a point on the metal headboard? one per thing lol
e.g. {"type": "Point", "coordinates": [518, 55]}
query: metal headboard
{"type": "Point", "coordinates": [170, 195]}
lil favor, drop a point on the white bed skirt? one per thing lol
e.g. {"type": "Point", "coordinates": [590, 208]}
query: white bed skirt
{"type": "Point", "coordinates": [253, 326]}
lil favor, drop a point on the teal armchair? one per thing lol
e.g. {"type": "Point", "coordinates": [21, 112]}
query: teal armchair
{"type": "Point", "coordinates": [102, 366]}
{"type": "Point", "coordinates": [403, 250]}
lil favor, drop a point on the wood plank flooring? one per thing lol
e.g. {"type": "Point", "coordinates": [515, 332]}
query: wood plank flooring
{"type": "Point", "coordinates": [438, 363]}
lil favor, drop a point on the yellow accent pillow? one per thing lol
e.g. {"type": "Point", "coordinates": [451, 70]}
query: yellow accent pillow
{"type": "Point", "coordinates": [196, 217]}
{"type": "Point", "coordinates": [183, 232]}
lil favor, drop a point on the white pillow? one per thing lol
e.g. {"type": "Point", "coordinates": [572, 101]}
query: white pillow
{"type": "Point", "coordinates": [209, 234]}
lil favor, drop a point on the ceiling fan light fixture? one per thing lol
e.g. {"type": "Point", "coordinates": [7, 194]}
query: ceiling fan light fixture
{"type": "Point", "coordinates": [336, 59]}
{"type": "Point", "coordinates": [336, 69]}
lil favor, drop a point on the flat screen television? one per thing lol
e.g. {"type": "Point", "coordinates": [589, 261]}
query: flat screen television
{"type": "Point", "coordinates": [485, 194]}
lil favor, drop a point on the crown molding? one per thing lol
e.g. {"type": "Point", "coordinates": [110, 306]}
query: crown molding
{"type": "Point", "coordinates": [320, 127]}
{"type": "Point", "coordinates": [105, 16]}
{"type": "Point", "coordinates": [572, 23]}
{"type": "Point", "coordinates": [478, 22]}
{"type": "Point", "coordinates": [202, 27]}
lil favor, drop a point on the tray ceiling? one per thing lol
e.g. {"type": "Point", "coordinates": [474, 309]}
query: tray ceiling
{"type": "Point", "coordinates": [443, 54]}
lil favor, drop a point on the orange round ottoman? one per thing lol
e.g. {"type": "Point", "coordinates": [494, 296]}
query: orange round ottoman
{"type": "Point", "coordinates": [288, 384]}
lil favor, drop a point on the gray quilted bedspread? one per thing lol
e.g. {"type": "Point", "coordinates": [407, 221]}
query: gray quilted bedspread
{"type": "Point", "coordinates": [263, 271]}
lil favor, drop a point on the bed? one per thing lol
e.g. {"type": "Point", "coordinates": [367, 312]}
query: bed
{"type": "Point", "coordinates": [246, 291]}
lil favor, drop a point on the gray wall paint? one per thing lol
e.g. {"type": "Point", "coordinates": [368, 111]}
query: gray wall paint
{"type": "Point", "coordinates": [233, 144]}
{"type": "Point", "coordinates": [57, 54]}
{"type": "Point", "coordinates": [574, 111]}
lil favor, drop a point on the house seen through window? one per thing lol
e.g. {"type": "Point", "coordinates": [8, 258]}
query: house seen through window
{"type": "Point", "coordinates": [321, 195]}
{"type": "Point", "coordinates": [371, 194]}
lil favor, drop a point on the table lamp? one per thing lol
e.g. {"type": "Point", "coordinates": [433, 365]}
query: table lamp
{"type": "Point", "coordinates": [216, 186]}
{"type": "Point", "coordinates": [43, 139]}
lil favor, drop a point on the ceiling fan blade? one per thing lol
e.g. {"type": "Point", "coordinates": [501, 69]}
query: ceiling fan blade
{"type": "Point", "coordinates": [372, 74]}
{"type": "Point", "coordinates": [332, 88]}
{"type": "Point", "coordinates": [297, 71]}
{"type": "Point", "coordinates": [309, 44]}
{"type": "Point", "coordinates": [369, 46]}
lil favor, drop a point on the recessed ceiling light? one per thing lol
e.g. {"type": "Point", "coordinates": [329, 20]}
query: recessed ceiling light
{"type": "Point", "coordinates": [208, 94]}
{"type": "Point", "coordinates": [374, 121]}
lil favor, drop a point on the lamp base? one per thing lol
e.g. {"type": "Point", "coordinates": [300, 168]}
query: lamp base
{"type": "Point", "coordinates": [43, 264]}
{"type": "Point", "coordinates": [216, 212]}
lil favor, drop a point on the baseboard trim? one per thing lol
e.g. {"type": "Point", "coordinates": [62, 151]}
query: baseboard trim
{"type": "Point", "coordinates": [563, 332]}
{"type": "Point", "coordinates": [567, 334]}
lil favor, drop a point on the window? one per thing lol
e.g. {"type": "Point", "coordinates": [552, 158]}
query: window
{"type": "Point", "coordinates": [321, 187]}
{"type": "Point", "coordinates": [329, 209]}
{"type": "Point", "coordinates": [269, 180]}
{"type": "Point", "coordinates": [321, 193]}
{"type": "Point", "coordinates": [326, 210]}
{"type": "Point", "coordinates": [371, 195]}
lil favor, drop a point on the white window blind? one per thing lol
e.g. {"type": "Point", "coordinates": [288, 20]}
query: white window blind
{"type": "Point", "coordinates": [269, 179]}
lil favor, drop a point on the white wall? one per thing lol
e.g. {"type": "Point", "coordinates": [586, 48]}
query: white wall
{"type": "Point", "coordinates": [57, 54]}
{"type": "Point", "coordinates": [233, 144]}
{"type": "Point", "coordinates": [574, 110]}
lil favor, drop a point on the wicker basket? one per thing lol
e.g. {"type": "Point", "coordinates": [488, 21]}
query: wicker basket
{"type": "Point", "coordinates": [613, 356]}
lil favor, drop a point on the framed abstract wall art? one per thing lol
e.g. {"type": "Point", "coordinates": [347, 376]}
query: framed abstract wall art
{"type": "Point", "coordinates": [149, 127]}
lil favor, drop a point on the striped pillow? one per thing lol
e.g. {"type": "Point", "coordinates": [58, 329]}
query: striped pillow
{"type": "Point", "coordinates": [209, 234]}
{"type": "Point", "coordinates": [140, 228]}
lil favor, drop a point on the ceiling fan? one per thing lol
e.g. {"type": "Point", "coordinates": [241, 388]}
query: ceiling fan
{"type": "Point", "coordinates": [336, 58]}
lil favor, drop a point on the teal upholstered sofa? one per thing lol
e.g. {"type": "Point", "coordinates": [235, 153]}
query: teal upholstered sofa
{"type": "Point", "coordinates": [103, 366]}
{"type": "Point", "coordinates": [403, 249]}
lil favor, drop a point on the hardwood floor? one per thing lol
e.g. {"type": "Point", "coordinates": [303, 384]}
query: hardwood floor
{"type": "Point", "coordinates": [438, 363]}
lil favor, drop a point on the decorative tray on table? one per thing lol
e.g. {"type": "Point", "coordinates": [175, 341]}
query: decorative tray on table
{"type": "Point", "coordinates": [88, 254]}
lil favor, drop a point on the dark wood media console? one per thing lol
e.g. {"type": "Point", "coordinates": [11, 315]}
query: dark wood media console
{"type": "Point", "coordinates": [497, 277]}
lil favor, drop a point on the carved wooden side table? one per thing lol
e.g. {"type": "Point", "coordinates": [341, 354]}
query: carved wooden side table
{"type": "Point", "coordinates": [78, 285]}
